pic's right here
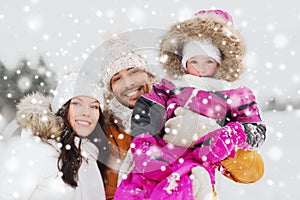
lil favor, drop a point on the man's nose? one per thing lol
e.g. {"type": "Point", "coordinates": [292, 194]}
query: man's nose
{"type": "Point", "coordinates": [128, 81]}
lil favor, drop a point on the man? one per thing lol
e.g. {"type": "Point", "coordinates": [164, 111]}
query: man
{"type": "Point", "coordinates": [127, 76]}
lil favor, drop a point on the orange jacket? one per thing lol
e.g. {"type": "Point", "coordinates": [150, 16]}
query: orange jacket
{"type": "Point", "coordinates": [119, 145]}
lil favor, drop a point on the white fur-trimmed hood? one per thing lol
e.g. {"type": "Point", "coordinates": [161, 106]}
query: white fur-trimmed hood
{"type": "Point", "coordinates": [34, 112]}
{"type": "Point", "coordinates": [206, 26]}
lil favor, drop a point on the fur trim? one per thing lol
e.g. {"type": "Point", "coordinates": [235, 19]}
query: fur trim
{"type": "Point", "coordinates": [205, 26]}
{"type": "Point", "coordinates": [33, 112]}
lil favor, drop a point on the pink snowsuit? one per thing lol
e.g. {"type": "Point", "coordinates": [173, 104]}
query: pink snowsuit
{"type": "Point", "coordinates": [162, 171]}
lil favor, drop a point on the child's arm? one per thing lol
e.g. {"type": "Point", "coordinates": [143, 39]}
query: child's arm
{"type": "Point", "coordinates": [247, 113]}
{"type": "Point", "coordinates": [220, 144]}
{"type": "Point", "coordinates": [149, 113]}
{"type": "Point", "coordinates": [237, 105]}
{"type": "Point", "coordinates": [148, 119]}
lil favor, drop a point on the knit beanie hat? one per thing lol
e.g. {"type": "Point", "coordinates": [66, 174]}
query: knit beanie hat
{"type": "Point", "coordinates": [199, 47]}
{"type": "Point", "coordinates": [122, 55]}
{"type": "Point", "coordinates": [75, 84]}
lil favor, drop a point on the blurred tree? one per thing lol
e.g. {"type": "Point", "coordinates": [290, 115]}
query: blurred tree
{"type": "Point", "coordinates": [24, 79]}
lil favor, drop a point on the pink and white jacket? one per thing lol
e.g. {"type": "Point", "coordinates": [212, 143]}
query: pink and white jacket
{"type": "Point", "coordinates": [162, 171]}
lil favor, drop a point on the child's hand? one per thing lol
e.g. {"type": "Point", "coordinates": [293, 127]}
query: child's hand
{"type": "Point", "coordinates": [187, 127]}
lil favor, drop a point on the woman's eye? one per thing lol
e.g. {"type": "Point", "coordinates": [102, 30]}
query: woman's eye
{"type": "Point", "coordinates": [95, 107]}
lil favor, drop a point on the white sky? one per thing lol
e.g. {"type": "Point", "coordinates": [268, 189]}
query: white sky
{"type": "Point", "coordinates": [65, 32]}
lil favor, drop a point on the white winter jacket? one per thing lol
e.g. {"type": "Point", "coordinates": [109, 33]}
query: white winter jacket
{"type": "Point", "coordinates": [29, 170]}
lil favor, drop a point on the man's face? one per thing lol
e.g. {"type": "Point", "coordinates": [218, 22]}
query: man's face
{"type": "Point", "coordinates": [129, 84]}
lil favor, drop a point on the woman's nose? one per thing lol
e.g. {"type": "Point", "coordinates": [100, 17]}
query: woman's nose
{"type": "Point", "coordinates": [85, 111]}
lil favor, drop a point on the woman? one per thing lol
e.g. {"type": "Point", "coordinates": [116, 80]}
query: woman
{"type": "Point", "coordinates": [53, 159]}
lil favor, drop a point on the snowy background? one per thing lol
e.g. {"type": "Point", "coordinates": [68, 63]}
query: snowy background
{"type": "Point", "coordinates": [64, 33]}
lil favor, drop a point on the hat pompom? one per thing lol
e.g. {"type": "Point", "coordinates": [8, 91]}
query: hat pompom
{"type": "Point", "coordinates": [222, 13]}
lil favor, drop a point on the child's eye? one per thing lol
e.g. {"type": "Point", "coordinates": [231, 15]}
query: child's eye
{"type": "Point", "coordinates": [194, 62]}
{"type": "Point", "coordinates": [209, 61]}
{"type": "Point", "coordinates": [75, 103]}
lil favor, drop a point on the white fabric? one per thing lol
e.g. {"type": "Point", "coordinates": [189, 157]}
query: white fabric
{"type": "Point", "coordinates": [75, 84]}
{"type": "Point", "coordinates": [121, 113]}
{"type": "Point", "coordinates": [29, 170]}
{"type": "Point", "coordinates": [197, 48]}
{"type": "Point", "coordinates": [126, 167]}
{"type": "Point", "coordinates": [200, 83]}
{"type": "Point", "coordinates": [202, 188]}
{"type": "Point", "coordinates": [12, 129]}
{"type": "Point", "coordinates": [90, 180]}
{"type": "Point", "coordinates": [187, 127]}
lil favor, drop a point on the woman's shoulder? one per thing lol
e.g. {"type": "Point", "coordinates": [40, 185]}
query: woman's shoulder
{"type": "Point", "coordinates": [33, 148]}
{"type": "Point", "coordinates": [28, 155]}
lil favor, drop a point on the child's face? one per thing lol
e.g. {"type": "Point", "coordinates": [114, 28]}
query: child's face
{"type": "Point", "coordinates": [203, 66]}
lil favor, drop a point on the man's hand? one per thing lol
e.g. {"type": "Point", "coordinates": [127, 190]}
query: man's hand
{"type": "Point", "coordinates": [187, 127]}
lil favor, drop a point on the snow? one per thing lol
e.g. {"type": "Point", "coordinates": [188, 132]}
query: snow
{"type": "Point", "coordinates": [65, 33]}
{"type": "Point", "coordinates": [282, 176]}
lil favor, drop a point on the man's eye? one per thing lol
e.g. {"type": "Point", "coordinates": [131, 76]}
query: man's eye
{"type": "Point", "coordinates": [134, 71]}
{"type": "Point", "coordinates": [116, 79]}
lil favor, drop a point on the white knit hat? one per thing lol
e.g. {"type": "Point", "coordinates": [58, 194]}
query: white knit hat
{"type": "Point", "coordinates": [122, 55]}
{"type": "Point", "coordinates": [200, 47]}
{"type": "Point", "coordinates": [75, 84]}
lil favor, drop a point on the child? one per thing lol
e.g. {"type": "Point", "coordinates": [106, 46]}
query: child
{"type": "Point", "coordinates": [163, 171]}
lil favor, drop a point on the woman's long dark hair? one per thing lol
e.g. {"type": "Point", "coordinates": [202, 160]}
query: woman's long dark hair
{"type": "Point", "coordinates": [70, 158]}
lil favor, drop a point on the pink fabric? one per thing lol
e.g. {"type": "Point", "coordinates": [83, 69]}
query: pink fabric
{"type": "Point", "coordinates": [153, 175]}
{"type": "Point", "coordinates": [225, 15]}
{"type": "Point", "coordinates": [221, 143]}
{"type": "Point", "coordinates": [156, 163]}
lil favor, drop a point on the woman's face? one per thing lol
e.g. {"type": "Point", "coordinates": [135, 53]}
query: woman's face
{"type": "Point", "coordinates": [83, 114]}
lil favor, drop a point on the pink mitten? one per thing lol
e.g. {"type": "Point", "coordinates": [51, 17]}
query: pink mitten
{"type": "Point", "coordinates": [221, 143]}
